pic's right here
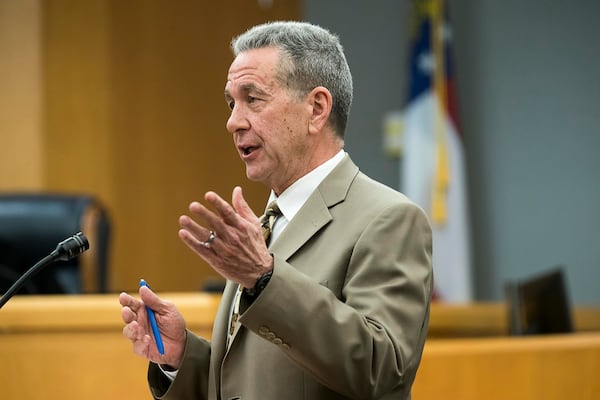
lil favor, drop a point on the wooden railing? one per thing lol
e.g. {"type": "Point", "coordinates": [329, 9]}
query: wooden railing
{"type": "Point", "coordinates": [71, 347]}
{"type": "Point", "coordinates": [551, 367]}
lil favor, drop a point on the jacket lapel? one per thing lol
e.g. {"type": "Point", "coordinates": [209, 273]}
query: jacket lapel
{"type": "Point", "coordinates": [220, 331]}
{"type": "Point", "coordinates": [315, 214]}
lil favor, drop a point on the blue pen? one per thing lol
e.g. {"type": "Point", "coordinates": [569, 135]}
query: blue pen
{"type": "Point", "coordinates": [153, 324]}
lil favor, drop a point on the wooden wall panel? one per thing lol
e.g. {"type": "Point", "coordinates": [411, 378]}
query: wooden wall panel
{"type": "Point", "coordinates": [21, 138]}
{"type": "Point", "coordinates": [135, 114]}
{"type": "Point", "coordinates": [77, 89]}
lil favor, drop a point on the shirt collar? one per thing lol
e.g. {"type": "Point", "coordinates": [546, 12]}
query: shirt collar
{"type": "Point", "coordinates": [294, 197]}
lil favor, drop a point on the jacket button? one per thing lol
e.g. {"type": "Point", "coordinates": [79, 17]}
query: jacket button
{"type": "Point", "coordinates": [263, 330]}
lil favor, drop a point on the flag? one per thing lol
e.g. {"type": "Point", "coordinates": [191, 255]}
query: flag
{"type": "Point", "coordinates": [433, 165]}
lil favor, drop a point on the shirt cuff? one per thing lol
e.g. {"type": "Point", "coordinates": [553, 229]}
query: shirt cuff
{"type": "Point", "coordinates": [169, 374]}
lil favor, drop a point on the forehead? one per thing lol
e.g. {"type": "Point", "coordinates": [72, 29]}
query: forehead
{"type": "Point", "coordinates": [257, 67]}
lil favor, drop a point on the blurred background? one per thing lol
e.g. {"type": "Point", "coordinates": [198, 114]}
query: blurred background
{"type": "Point", "coordinates": [124, 101]}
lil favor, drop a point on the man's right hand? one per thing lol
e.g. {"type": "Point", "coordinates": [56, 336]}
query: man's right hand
{"type": "Point", "coordinates": [137, 327]}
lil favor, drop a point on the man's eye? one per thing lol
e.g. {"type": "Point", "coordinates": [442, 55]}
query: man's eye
{"type": "Point", "coordinates": [251, 99]}
{"type": "Point", "coordinates": [231, 104]}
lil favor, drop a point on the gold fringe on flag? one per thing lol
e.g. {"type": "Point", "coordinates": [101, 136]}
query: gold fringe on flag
{"type": "Point", "coordinates": [441, 178]}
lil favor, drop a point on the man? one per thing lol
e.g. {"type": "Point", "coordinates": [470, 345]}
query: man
{"type": "Point", "coordinates": [336, 304]}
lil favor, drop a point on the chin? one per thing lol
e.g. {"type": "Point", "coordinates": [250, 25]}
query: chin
{"type": "Point", "coordinates": [253, 175]}
{"type": "Point", "coordinates": [257, 172]}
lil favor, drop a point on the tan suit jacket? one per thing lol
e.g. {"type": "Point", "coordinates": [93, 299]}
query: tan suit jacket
{"type": "Point", "coordinates": [344, 316]}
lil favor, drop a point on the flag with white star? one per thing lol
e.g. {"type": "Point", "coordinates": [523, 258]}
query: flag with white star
{"type": "Point", "coordinates": [433, 165]}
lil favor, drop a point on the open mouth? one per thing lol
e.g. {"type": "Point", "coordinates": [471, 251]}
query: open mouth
{"type": "Point", "coordinates": [248, 150]}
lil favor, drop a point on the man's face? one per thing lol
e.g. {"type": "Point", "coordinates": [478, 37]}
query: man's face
{"type": "Point", "coordinates": [269, 126]}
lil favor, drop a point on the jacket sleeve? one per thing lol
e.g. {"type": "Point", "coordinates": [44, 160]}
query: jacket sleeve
{"type": "Point", "coordinates": [192, 378]}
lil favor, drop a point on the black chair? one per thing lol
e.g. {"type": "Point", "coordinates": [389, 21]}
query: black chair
{"type": "Point", "coordinates": [31, 225]}
{"type": "Point", "coordinates": [539, 304]}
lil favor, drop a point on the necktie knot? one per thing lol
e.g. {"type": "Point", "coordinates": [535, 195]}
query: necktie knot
{"type": "Point", "coordinates": [268, 220]}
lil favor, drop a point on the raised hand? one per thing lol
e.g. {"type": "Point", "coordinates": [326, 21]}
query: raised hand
{"type": "Point", "coordinates": [230, 240]}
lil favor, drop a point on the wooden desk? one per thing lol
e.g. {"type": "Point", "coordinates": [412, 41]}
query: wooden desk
{"type": "Point", "coordinates": [71, 347]}
{"type": "Point", "coordinates": [553, 367]}
{"type": "Point", "coordinates": [96, 313]}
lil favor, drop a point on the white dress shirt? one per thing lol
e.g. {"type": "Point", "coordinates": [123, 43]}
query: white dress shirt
{"type": "Point", "coordinates": [294, 197]}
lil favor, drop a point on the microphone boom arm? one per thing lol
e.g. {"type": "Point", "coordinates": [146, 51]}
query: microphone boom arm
{"type": "Point", "coordinates": [65, 250]}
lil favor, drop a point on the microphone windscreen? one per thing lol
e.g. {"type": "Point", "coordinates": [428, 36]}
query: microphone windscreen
{"type": "Point", "coordinates": [72, 247]}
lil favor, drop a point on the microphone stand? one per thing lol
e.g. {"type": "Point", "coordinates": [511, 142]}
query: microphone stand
{"type": "Point", "coordinates": [66, 250]}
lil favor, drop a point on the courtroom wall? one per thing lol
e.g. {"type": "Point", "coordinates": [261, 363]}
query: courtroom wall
{"type": "Point", "coordinates": [124, 100]}
{"type": "Point", "coordinates": [527, 75]}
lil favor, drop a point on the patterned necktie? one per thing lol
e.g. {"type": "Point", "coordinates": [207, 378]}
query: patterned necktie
{"type": "Point", "coordinates": [268, 220]}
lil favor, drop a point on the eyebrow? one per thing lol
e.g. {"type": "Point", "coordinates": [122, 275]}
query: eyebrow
{"type": "Point", "coordinates": [247, 88]}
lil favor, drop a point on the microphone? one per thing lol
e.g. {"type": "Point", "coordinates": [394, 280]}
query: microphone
{"type": "Point", "coordinates": [65, 250]}
{"type": "Point", "coordinates": [71, 247]}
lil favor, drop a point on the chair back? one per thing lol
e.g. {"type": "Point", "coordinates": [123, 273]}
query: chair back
{"type": "Point", "coordinates": [31, 225]}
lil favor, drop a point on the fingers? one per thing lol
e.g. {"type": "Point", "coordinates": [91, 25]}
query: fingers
{"type": "Point", "coordinates": [224, 210]}
{"type": "Point", "coordinates": [131, 307]}
{"type": "Point", "coordinates": [198, 233]}
{"type": "Point", "coordinates": [151, 300]}
{"type": "Point", "coordinates": [134, 315]}
{"type": "Point", "coordinates": [224, 214]}
{"type": "Point", "coordinates": [192, 242]}
{"type": "Point", "coordinates": [129, 301]}
{"type": "Point", "coordinates": [128, 315]}
{"type": "Point", "coordinates": [234, 214]}
{"type": "Point", "coordinates": [137, 328]}
{"type": "Point", "coordinates": [238, 246]}
{"type": "Point", "coordinates": [139, 338]}
{"type": "Point", "coordinates": [142, 347]}
{"type": "Point", "coordinates": [241, 205]}
{"type": "Point", "coordinates": [227, 221]}
{"type": "Point", "coordinates": [134, 332]}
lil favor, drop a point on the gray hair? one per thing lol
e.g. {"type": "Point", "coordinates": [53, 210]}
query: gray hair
{"type": "Point", "coordinates": [311, 56]}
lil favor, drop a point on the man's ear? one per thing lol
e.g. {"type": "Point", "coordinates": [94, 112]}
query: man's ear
{"type": "Point", "coordinates": [321, 103]}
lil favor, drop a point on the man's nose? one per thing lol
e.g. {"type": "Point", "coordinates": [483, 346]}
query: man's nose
{"type": "Point", "coordinates": [237, 120]}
